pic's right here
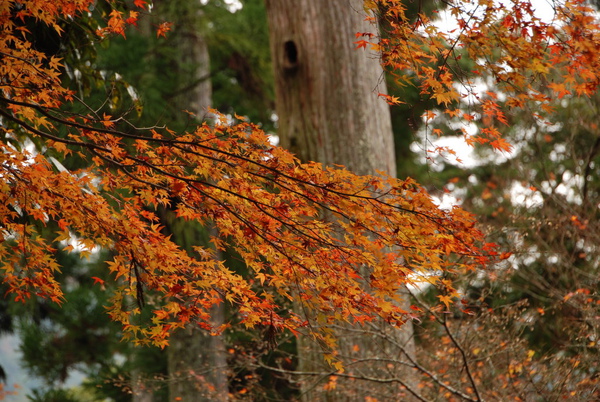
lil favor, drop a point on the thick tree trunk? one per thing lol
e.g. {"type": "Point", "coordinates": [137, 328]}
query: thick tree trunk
{"type": "Point", "coordinates": [326, 90]}
{"type": "Point", "coordinates": [329, 111]}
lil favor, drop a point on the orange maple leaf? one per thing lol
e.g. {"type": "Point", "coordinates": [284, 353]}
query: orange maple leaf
{"type": "Point", "coordinates": [141, 4]}
{"type": "Point", "coordinates": [163, 28]}
{"type": "Point", "coordinates": [97, 280]}
{"type": "Point", "coordinates": [447, 300]}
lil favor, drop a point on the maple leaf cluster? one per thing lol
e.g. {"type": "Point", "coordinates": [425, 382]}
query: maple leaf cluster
{"type": "Point", "coordinates": [342, 245]}
{"type": "Point", "coordinates": [530, 61]}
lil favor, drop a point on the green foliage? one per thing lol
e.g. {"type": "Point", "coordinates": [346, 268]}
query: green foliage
{"type": "Point", "coordinates": [78, 335]}
{"type": "Point", "coordinates": [241, 69]}
{"type": "Point", "coordinates": [53, 395]}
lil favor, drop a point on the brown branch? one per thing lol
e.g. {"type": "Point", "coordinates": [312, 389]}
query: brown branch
{"type": "Point", "coordinates": [464, 358]}
{"type": "Point", "coordinates": [345, 375]}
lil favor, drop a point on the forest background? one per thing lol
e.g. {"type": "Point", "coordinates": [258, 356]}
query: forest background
{"type": "Point", "coordinates": [524, 328]}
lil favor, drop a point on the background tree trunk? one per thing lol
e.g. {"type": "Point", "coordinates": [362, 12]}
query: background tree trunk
{"type": "Point", "coordinates": [196, 360]}
{"type": "Point", "coordinates": [329, 111]}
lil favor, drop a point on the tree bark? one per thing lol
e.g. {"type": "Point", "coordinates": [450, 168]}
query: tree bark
{"type": "Point", "coordinates": [329, 111]}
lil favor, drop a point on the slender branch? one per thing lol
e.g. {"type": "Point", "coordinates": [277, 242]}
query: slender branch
{"type": "Point", "coordinates": [464, 358]}
{"type": "Point", "coordinates": [346, 375]}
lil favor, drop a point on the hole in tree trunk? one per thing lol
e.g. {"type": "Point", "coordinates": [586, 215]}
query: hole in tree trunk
{"type": "Point", "coordinates": [290, 55]}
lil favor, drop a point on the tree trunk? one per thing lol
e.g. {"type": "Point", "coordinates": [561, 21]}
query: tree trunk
{"type": "Point", "coordinates": [140, 392]}
{"type": "Point", "coordinates": [196, 360]}
{"type": "Point", "coordinates": [329, 111]}
{"type": "Point", "coordinates": [197, 364]}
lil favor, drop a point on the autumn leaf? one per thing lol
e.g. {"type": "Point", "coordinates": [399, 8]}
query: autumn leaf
{"type": "Point", "coordinates": [163, 28]}
{"type": "Point", "coordinates": [447, 300]}
{"type": "Point", "coordinates": [141, 4]}
{"type": "Point", "coordinates": [501, 144]}
{"type": "Point", "coordinates": [560, 89]}
{"type": "Point", "coordinates": [97, 280]}
{"type": "Point", "coordinates": [362, 44]}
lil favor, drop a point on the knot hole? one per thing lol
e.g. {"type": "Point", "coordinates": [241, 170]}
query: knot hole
{"type": "Point", "coordinates": [290, 55]}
